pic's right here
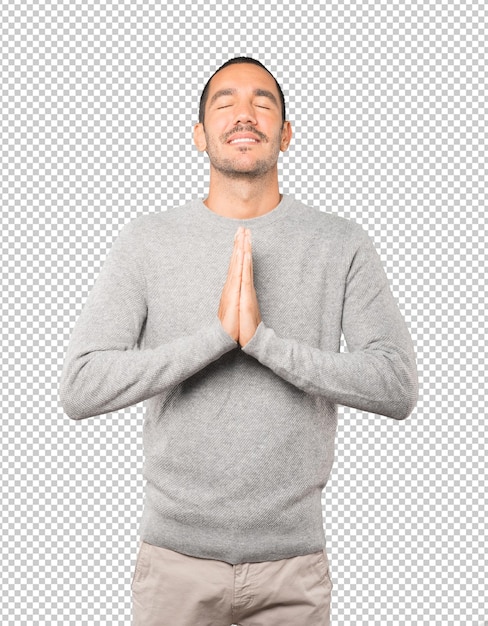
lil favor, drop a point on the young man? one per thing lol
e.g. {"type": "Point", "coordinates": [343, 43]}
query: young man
{"type": "Point", "coordinates": [239, 362]}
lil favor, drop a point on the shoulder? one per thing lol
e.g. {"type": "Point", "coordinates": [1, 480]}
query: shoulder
{"type": "Point", "coordinates": [153, 225]}
{"type": "Point", "coordinates": [328, 224]}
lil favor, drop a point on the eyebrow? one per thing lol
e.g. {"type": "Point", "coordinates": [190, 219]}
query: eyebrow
{"type": "Point", "coordinates": [231, 92]}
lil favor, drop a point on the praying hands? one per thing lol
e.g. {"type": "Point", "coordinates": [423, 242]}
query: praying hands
{"type": "Point", "coordinates": [239, 309]}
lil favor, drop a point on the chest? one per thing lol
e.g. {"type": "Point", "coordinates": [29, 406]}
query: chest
{"type": "Point", "coordinates": [299, 287]}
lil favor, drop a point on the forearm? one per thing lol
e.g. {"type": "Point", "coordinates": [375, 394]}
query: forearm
{"type": "Point", "coordinates": [380, 380]}
{"type": "Point", "coordinates": [103, 380]}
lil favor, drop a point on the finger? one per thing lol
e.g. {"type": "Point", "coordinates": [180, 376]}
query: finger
{"type": "Point", "coordinates": [246, 269]}
{"type": "Point", "coordinates": [240, 240]}
{"type": "Point", "coordinates": [236, 277]}
{"type": "Point", "coordinates": [250, 258]}
{"type": "Point", "coordinates": [240, 248]}
{"type": "Point", "coordinates": [235, 260]}
{"type": "Point", "coordinates": [249, 252]}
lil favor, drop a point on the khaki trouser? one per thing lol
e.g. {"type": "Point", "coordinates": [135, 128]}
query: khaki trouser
{"type": "Point", "coordinates": [173, 589]}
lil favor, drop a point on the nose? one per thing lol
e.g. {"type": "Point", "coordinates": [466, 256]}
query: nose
{"type": "Point", "coordinates": [244, 113]}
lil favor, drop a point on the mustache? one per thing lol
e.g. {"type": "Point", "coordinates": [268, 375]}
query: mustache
{"type": "Point", "coordinates": [244, 129]}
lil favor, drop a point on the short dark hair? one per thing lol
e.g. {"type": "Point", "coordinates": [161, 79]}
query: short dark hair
{"type": "Point", "coordinates": [237, 60]}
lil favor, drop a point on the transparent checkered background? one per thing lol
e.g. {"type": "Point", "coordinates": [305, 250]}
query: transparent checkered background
{"type": "Point", "coordinates": [387, 101]}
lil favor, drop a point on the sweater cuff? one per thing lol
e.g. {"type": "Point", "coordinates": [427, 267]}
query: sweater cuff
{"type": "Point", "coordinates": [225, 340]}
{"type": "Point", "coordinates": [256, 346]}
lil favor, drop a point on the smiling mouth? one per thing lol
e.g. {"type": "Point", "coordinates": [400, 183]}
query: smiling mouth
{"type": "Point", "coordinates": [244, 140]}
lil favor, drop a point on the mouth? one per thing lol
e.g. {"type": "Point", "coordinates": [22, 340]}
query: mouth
{"type": "Point", "coordinates": [244, 139]}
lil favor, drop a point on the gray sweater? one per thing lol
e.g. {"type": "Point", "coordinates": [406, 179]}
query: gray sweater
{"type": "Point", "coordinates": [239, 442]}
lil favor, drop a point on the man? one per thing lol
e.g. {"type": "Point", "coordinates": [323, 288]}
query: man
{"type": "Point", "coordinates": [240, 366]}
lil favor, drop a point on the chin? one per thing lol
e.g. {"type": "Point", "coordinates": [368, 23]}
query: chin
{"type": "Point", "coordinates": [242, 170]}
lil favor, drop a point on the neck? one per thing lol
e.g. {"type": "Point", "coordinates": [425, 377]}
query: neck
{"type": "Point", "coordinates": [241, 198]}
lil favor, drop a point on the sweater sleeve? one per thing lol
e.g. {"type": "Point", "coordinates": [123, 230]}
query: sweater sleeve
{"type": "Point", "coordinates": [104, 369]}
{"type": "Point", "coordinates": [378, 373]}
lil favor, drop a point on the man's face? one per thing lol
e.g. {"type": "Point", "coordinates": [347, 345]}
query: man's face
{"type": "Point", "coordinates": [243, 131]}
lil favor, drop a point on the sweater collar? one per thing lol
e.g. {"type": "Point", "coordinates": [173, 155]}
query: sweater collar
{"type": "Point", "coordinates": [205, 214]}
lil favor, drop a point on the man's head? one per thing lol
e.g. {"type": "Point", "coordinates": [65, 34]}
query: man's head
{"type": "Point", "coordinates": [238, 61]}
{"type": "Point", "coordinates": [242, 126]}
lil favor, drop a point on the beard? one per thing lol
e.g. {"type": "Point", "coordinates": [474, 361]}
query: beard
{"type": "Point", "coordinates": [234, 169]}
{"type": "Point", "coordinates": [238, 167]}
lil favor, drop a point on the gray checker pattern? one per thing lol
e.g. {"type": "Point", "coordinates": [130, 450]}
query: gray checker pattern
{"type": "Point", "coordinates": [388, 104]}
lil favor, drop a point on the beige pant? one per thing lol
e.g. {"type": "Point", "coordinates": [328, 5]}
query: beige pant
{"type": "Point", "coordinates": [173, 589]}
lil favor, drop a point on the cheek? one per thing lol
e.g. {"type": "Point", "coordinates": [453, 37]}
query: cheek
{"type": "Point", "coordinates": [221, 123]}
{"type": "Point", "coordinates": [217, 133]}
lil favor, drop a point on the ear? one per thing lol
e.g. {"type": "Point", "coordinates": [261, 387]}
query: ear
{"type": "Point", "coordinates": [199, 137]}
{"type": "Point", "coordinates": [286, 135]}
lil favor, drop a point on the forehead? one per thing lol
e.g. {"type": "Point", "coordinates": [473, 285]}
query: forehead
{"type": "Point", "coordinates": [242, 76]}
